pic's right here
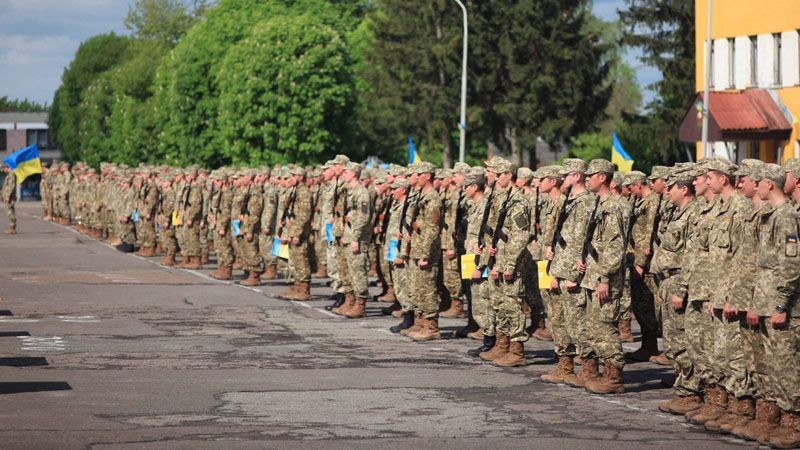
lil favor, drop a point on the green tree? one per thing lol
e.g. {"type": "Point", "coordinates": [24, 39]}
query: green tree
{"type": "Point", "coordinates": [286, 93]}
{"type": "Point", "coordinates": [163, 21]}
{"type": "Point", "coordinates": [589, 146]}
{"type": "Point", "coordinates": [24, 105]}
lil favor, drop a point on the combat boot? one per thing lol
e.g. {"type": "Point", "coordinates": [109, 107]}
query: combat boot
{"type": "Point", "coordinates": [515, 356]}
{"type": "Point", "coordinates": [168, 260]}
{"type": "Point", "coordinates": [428, 332]}
{"type": "Point", "coordinates": [237, 264]}
{"type": "Point", "coordinates": [730, 414]}
{"type": "Point", "coordinates": [716, 408]}
{"type": "Point", "coordinates": [745, 412]}
{"type": "Point", "coordinates": [358, 310]}
{"type": "Point", "coordinates": [488, 343]}
{"type": "Point", "coordinates": [565, 367]}
{"type": "Point", "coordinates": [159, 249]}
{"type": "Point", "coordinates": [589, 372]}
{"type": "Point", "coordinates": [681, 404]}
{"type": "Point", "coordinates": [397, 313]}
{"type": "Point", "coordinates": [501, 345]}
{"type": "Point", "coordinates": [456, 310]}
{"type": "Point", "coordinates": [609, 383]}
{"type": "Point", "coordinates": [204, 258]}
{"type": "Point", "coordinates": [625, 334]}
{"type": "Point", "coordinates": [765, 422]}
{"type": "Point", "coordinates": [113, 239]}
{"type": "Point", "coordinates": [648, 349]}
{"type": "Point", "coordinates": [788, 435]}
{"type": "Point", "coordinates": [271, 272]}
{"type": "Point", "coordinates": [291, 290]}
{"type": "Point", "coordinates": [338, 300]}
{"type": "Point", "coordinates": [222, 273]}
{"type": "Point", "coordinates": [349, 299]}
{"type": "Point", "coordinates": [389, 296]}
{"type": "Point", "coordinates": [11, 230]}
{"type": "Point", "coordinates": [539, 329]}
{"type": "Point", "coordinates": [391, 309]}
{"type": "Point", "coordinates": [709, 394]}
{"type": "Point", "coordinates": [193, 263]}
{"type": "Point", "coordinates": [302, 292]}
{"type": "Point", "coordinates": [253, 279]}
{"type": "Point", "coordinates": [477, 334]}
{"type": "Point", "coordinates": [416, 325]}
{"type": "Point", "coordinates": [322, 272]}
{"type": "Point", "coordinates": [408, 321]}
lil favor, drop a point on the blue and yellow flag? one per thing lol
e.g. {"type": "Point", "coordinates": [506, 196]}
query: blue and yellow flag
{"type": "Point", "coordinates": [413, 157]}
{"type": "Point", "coordinates": [620, 157]}
{"type": "Point", "coordinates": [24, 162]}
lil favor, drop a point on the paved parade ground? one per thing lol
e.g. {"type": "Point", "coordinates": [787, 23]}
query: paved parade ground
{"type": "Point", "coordinates": [108, 350]}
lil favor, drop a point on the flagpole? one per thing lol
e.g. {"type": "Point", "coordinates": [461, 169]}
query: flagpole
{"type": "Point", "coordinates": [462, 126]}
{"type": "Point", "coordinates": [706, 82]}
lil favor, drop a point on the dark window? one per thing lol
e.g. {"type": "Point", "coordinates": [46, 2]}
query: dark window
{"type": "Point", "coordinates": [753, 60]}
{"type": "Point", "coordinates": [39, 137]}
{"type": "Point", "coordinates": [3, 141]}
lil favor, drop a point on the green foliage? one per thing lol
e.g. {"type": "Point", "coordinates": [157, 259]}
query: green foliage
{"type": "Point", "coordinates": [163, 21]}
{"type": "Point", "coordinates": [24, 105]}
{"type": "Point", "coordinates": [589, 146]}
{"type": "Point", "coordinates": [286, 93]}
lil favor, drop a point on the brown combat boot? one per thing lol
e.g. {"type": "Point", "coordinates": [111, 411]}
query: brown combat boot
{"type": "Point", "coordinates": [456, 310]}
{"type": "Point", "coordinates": [501, 345]}
{"type": "Point", "coordinates": [349, 299]}
{"type": "Point", "coordinates": [253, 278]}
{"type": "Point", "coordinates": [358, 310]}
{"type": "Point", "coordinates": [428, 332]}
{"type": "Point", "coordinates": [609, 383]}
{"type": "Point", "coordinates": [418, 321]}
{"type": "Point", "coordinates": [589, 372]}
{"type": "Point", "coordinates": [237, 264]}
{"type": "Point", "coordinates": [477, 334]}
{"type": "Point", "coordinates": [271, 272]}
{"type": "Point", "coordinates": [565, 367]}
{"type": "Point", "coordinates": [730, 414]}
{"type": "Point", "coordinates": [540, 330]}
{"type": "Point", "coordinates": [625, 334]}
{"type": "Point", "coordinates": [168, 260]}
{"type": "Point", "coordinates": [716, 408]}
{"type": "Point", "coordinates": [648, 349]}
{"type": "Point", "coordinates": [11, 230]}
{"type": "Point", "coordinates": [145, 252]}
{"type": "Point", "coordinates": [159, 249]}
{"type": "Point", "coordinates": [765, 422]}
{"type": "Point", "coordinates": [681, 404]}
{"type": "Point", "coordinates": [660, 359]}
{"type": "Point", "coordinates": [788, 434]}
{"type": "Point", "coordinates": [373, 269]}
{"type": "Point", "coordinates": [302, 292]}
{"type": "Point", "coordinates": [389, 296]}
{"type": "Point", "coordinates": [204, 258]}
{"type": "Point", "coordinates": [709, 396]}
{"type": "Point", "coordinates": [291, 290]}
{"type": "Point", "coordinates": [515, 356]}
{"type": "Point", "coordinates": [745, 412]}
{"type": "Point", "coordinates": [222, 273]}
{"type": "Point", "coordinates": [113, 239]}
{"type": "Point", "coordinates": [322, 272]}
{"type": "Point", "coordinates": [193, 263]}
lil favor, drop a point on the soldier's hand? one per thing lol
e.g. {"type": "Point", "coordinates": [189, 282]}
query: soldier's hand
{"type": "Point", "coordinates": [492, 251]}
{"type": "Point", "coordinates": [451, 254]}
{"type": "Point", "coordinates": [398, 235]}
{"type": "Point", "coordinates": [423, 263]}
{"type": "Point", "coordinates": [376, 230]}
{"type": "Point", "coordinates": [648, 252]}
{"type": "Point", "coordinates": [476, 274]}
{"type": "Point", "coordinates": [581, 266]}
{"type": "Point", "coordinates": [533, 246]}
{"type": "Point", "coordinates": [249, 237]}
{"type": "Point", "coordinates": [188, 223]}
{"type": "Point", "coordinates": [677, 303]}
{"type": "Point", "coordinates": [570, 285]}
{"type": "Point", "coordinates": [778, 320]}
{"type": "Point", "coordinates": [295, 240]}
{"type": "Point", "coordinates": [752, 319]}
{"type": "Point", "coordinates": [476, 249]}
{"type": "Point", "coordinates": [728, 312]}
{"type": "Point", "coordinates": [553, 285]}
{"type": "Point", "coordinates": [550, 254]}
{"type": "Point", "coordinates": [284, 240]}
{"type": "Point", "coordinates": [222, 232]}
{"type": "Point", "coordinates": [330, 221]}
{"type": "Point", "coordinates": [602, 292]}
{"type": "Point", "coordinates": [354, 247]}
{"type": "Point", "coordinates": [494, 275]}
{"type": "Point", "coordinates": [399, 262]}
{"type": "Point", "coordinates": [639, 271]}
{"type": "Point", "coordinates": [709, 309]}
{"type": "Point", "coordinates": [507, 276]}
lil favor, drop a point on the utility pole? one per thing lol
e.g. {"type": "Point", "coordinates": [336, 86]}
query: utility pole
{"type": "Point", "coordinates": [706, 93]}
{"type": "Point", "coordinates": [462, 126]}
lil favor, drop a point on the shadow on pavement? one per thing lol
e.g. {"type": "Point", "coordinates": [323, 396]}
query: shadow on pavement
{"type": "Point", "coordinates": [18, 387]}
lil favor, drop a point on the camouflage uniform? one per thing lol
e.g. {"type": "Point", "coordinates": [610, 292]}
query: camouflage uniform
{"type": "Point", "coordinates": [329, 194]}
{"type": "Point", "coordinates": [191, 208]}
{"type": "Point", "coordinates": [451, 270]}
{"type": "Point", "coordinates": [642, 296]}
{"type": "Point", "coordinates": [167, 230]}
{"type": "Point", "coordinates": [357, 229]}
{"type": "Point", "coordinates": [220, 212]}
{"type": "Point", "coordinates": [399, 273]}
{"type": "Point", "coordinates": [250, 227]}
{"type": "Point", "coordinates": [299, 226]}
{"type": "Point", "coordinates": [426, 244]}
{"type": "Point", "coordinates": [10, 197]}
{"type": "Point", "coordinates": [145, 206]}
{"type": "Point", "coordinates": [555, 314]}
{"type": "Point", "coordinates": [482, 310]}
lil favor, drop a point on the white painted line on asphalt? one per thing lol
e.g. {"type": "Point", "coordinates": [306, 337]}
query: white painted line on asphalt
{"type": "Point", "coordinates": [79, 319]}
{"type": "Point", "coordinates": [32, 343]}
{"type": "Point", "coordinates": [17, 320]}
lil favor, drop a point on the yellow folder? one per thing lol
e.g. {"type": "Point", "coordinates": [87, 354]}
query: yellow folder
{"type": "Point", "coordinates": [467, 266]}
{"type": "Point", "coordinates": [544, 278]}
{"type": "Point", "coordinates": [176, 219]}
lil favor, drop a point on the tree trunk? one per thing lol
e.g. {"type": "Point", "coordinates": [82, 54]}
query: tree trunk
{"type": "Point", "coordinates": [516, 150]}
{"type": "Point", "coordinates": [447, 151]}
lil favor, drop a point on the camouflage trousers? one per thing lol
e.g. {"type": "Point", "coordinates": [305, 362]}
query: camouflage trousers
{"type": "Point", "coordinates": [727, 356]}
{"type": "Point", "coordinates": [265, 247]}
{"type": "Point", "coordinates": [191, 238]}
{"type": "Point", "coordinates": [482, 310]}
{"type": "Point", "coordinates": [602, 329]}
{"type": "Point", "coordinates": [203, 239]}
{"type": "Point", "coordinates": [451, 276]}
{"type": "Point", "coordinates": [423, 283]}
{"type": "Point", "coordinates": [126, 232]}
{"type": "Point", "coordinates": [166, 237]}
{"type": "Point", "coordinates": [11, 212]}
{"type": "Point", "coordinates": [343, 268]}
{"type": "Point", "coordinates": [530, 281]}
{"type": "Point", "coordinates": [333, 272]}
{"type": "Point", "coordinates": [507, 299]}
{"type": "Point", "coordinates": [626, 300]}
{"type": "Point", "coordinates": [643, 304]}
{"type": "Point", "coordinates": [401, 288]}
{"type": "Point", "coordinates": [249, 254]}
{"type": "Point", "coordinates": [357, 268]}
{"type": "Point", "coordinates": [573, 307]}
{"type": "Point", "coordinates": [146, 232]}
{"type": "Point", "coordinates": [699, 329]}
{"type": "Point", "coordinates": [320, 250]}
{"type": "Point", "coordinates": [62, 206]}
{"type": "Point", "coordinates": [385, 266]}
{"type": "Point", "coordinates": [223, 247]}
{"type": "Point", "coordinates": [773, 362]}
{"type": "Point", "coordinates": [675, 341]}
{"type": "Point", "coordinates": [555, 321]}
{"type": "Point", "coordinates": [300, 262]}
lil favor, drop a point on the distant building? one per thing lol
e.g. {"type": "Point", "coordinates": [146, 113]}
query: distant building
{"type": "Point", "coordinates": [754, 104]}
{"type": "Point", "coordinates": [19, 130]}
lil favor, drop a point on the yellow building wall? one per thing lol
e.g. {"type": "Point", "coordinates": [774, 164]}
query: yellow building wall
{"type": "Point", "coordinates": [733, 18]}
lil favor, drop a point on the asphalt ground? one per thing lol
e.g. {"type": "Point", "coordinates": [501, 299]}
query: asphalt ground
{"type": "Point", "coordinates": [100, 349]}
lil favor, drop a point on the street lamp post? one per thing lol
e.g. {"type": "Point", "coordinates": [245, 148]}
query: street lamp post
{"type": "Point", "coordinates": [462, 126]}
{"type": "Point", "coordinates": [706, 82]}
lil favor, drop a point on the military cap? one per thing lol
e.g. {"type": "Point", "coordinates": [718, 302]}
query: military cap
{"type": "Point", "coordinates": [748, 168]}
{"type": "Point", "coordinates": [475, 176]}
{"type": "Point", "coordinates": [634, 177]}
{"type": "Point", "coordinates": [792, 165]}
{"type": "Point", "coordinates": [600, 166]}
{"type": "Point", "coordinates": [381, 177]}
{"type": "Point", "coordinates": [353, 167]}
{"type": "Point", "coordinates": [297, 171]}
{"type": "Point", "coordinates": [524, 173]}
{"type": "Point", "coordinates": [549, 172]}
{"type": "Point", "coordinates": [423, 167]}
{"type": "Point", "coordinates": [366, 174]}
{"type": "Point", "coordinates": [681, 175]}
{"type": "Point", "coordinates": [774, 173]}
{"type": "Point", "coordinates": [501, 165]}
{"type": "Point", "coordinates": [461, 167]}
{"type": "Point", "coordinates": [721, 165]}
{"type": "Point", "coordinates": [659, 172]}
{"type": "Point", "coordinates": [570, 165]}
{"type": "Point", "coordinates": [441, 174]}
{"type": "Point", "coordinates": [399, 183]}
{"type": "Point", "coordinates": [617, 178]}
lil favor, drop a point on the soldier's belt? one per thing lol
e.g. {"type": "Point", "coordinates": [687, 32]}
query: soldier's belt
{"type": "Point", "coordinates": [668, 274]}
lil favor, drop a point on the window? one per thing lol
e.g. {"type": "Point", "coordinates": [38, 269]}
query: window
{"type": "Point", "coordinates": [3, 142]}
{"type": "Point", "coordinates": [753, 61]}
{"type": "Point", "coordinates": [731, 63]}
{"type": "Point", "coordinates": [776, 58]}
{"type": "Point", "coordinates": [39, 137]}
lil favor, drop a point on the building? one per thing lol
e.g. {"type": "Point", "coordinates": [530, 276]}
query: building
{"type": "Point", "coordinates": [754, 101]}
{"type": "Point", "coordinates": [19, 130]}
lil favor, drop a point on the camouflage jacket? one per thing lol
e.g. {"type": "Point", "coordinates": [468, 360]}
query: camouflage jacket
{"type": "Point", "coordinates": [777, 261]}
{"type": "Point", "coordinates": [669, 256]}
{"type": "Point", "coordinates": [357, 216]}
{"type": "Point", "coordinates": [299, 223]}
{"type": "Point", "coordinates": [426, 235]}
{"type": "Point", "coordinates": [573, 231]}
{"type": "Point", "coordinates": [604, 261]}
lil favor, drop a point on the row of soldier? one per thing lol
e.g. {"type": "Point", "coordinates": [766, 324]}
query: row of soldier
{"type": "Point", "coordinates": [705, 254]}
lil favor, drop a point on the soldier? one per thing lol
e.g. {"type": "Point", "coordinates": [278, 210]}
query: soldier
{"type": "Point", "coordinates": [269, 221]}
{"type": "Point", "coordinates": [399, 215]}
{"type": "Point", "coordinates": [124, 211]}
{"type": "Point", "coordinates": [334, 213]}
{"type": "Point", "coordinates": [219, 210]}
{"type": "Point", "coordinates": [296, 233]}
{"type": "Point", "coordinates": [602, 267]}
{"type": "Point", "coordinates": [190, 209]}
{"type": "Point", "coordinates": [165, 211]}
{"type": "Point", "coordinates": [145, 206]}
{"type": "Point", "coordinates": [247, 209]}
{"type": "Point", "coordinates": [533, 298]}
{"type": "Point", "coordinates": [382, 216]}
{"type": "Point", "coordinates": [451, 272]}
{"type": "Point", "coordinates": [10, 198]}
{"type": "Point", "coordinates": [623, 195]}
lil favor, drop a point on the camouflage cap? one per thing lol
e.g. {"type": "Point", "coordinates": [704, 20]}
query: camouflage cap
{"type": "Point", "coordinates": [475, 176]}
{"type": "Point", "coordinates": [501, 165]}
{"type": "Point", "coordinates": [570, 165]}
{"type": "Point", "coordinates": [353, 167]}
{"type": "Point", "coordinates": [657, 172]}
{"type": "Point", "coordinates": [748, 168]}
{"type": "Point", "coordinates": [461, 167]}
{"type": "Point", "coordinates": [423, 167]}
{"type": "Point", "coordinates": [617, 178]}
{"type": "Point", "coordinates": [681, 175]}
{"type": "Point", "coordinates": [600, 166]}
{"type": "Point", "coordinates": [774, 173]}
{"type": "Point", "coordinates": [340, 159]}
{"type": "Point", "coordinates": [298, 171]}
{"type": "Point", "coordinates": [524, 173]}
{"type": "Point", "coordinates": [444, 173]}
{"type": "Point", "coordinates": [634, 177]}
{"type": "Point", "coordinates": [381, 177]}
{"type": "Point", "coordinates": [399, 183]}
{"type": "Point", "coordinates": [549, 172]}
{"type": "Point", "coordinates": [718, 164]}
{"type": "Point", "coordinates": [792, 165]}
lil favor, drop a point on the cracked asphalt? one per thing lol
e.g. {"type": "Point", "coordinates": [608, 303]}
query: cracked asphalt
{"type": "Point", "coordinates": [102, 350]}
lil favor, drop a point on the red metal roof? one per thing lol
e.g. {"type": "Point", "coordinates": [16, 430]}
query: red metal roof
{"type": "Point", "coordinates": [752, 109]}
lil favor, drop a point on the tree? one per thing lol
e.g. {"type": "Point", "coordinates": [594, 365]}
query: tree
{"type": "Point", "coordinates": [664, 30]}
{"type": "Point", "coordinates": [163, 21]}
{"type": "Point", "coordinates": [24, 105]}
{"type": "Point", "coordinates": [286, 93]}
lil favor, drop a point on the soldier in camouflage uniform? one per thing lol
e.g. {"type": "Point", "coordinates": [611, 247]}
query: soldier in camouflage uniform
{"type": "Point", "coordinates": [400, 213]}
{"type": "Point", "coordinates": [165, 210]}
{"type": "Point", "coordinates": [145, 206]}
{"type": "Point", "coordinates": [623, 194]}
{"type": "Point", "coordinates": [451, 270]}
{"type": "Point", "coordinates": [533, 299]}
{"type": "Point", "coordinates": [190, 209]}
{"type": "Point", "coordinates": [219, 219]}
{"type": "Point", "coordinates": [296, 233]}
{"type": "Point", "coordinates": [269, 221]}
{"type": "Point", "coordinates": [247, 209]}
{"type": "Point", "coordinates": [10, 198]}
{"type": "Point", "coordinates": [124, 209]}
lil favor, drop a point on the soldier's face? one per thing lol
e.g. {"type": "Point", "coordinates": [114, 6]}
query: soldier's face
{"type": "Point", "coordinates": [748, 187]}
{"type": "Point", "coordinates": [504, 179]}
{"type": "Point", "coordinates": [491, 177]}
{"type": "Point", "coordinates": [675, 193]}
{"type": "Point", "coordinates": [764, 187]}
{"type": "Point", "coordinates": [700, 184]}
{"type": "Point", "coordinates": [458, 179]}
{"type": "Point", "coordinates": [716, 181]}
{"type": "Point", "coordinates": [521, 183]}
{"type": "Point", "coordinates": [399, 193]}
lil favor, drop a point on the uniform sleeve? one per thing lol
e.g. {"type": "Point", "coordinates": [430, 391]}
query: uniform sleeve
{"type": "Point", "coordinates": [430, 227]}
{"type": "Point", "coordinates": [359, 222]}
{"type": "Point", "coordinates": [516, 226]}
{"type": "Point", "coordinates": [613, 252]}
{"type": "Point", "coordinates": [254, 207]}
{"type": "Point", "coordinates": [788, 269]}
{"type": "Point", "coordinates": [644, 229]}
{"type": "Point", "coordinates": [195, 202]}
{"type": "Point", "coordinates": [302, 214]}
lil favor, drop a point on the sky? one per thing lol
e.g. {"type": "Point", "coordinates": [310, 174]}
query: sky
{"type": "Point", "coordinates": [38, 38]}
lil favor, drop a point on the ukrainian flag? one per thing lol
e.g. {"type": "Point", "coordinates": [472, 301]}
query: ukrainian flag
{"type": "Point", "coordinates": [24, 162]}
{"type": "Point", "coordinates": [413, 157]}
{"type": "Point", "coordinates": [620, 157]}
